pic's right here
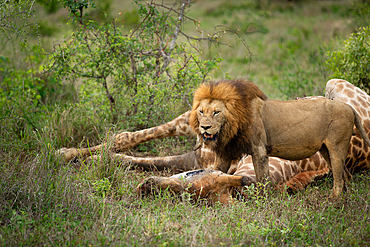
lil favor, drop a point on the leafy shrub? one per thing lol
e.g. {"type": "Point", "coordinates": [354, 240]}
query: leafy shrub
{"type": "Point", "coordinates": [352, 62]}
{"type": "Point", "coordinates": [26, 99]}
{"type": "Point", "coordinates": [137, 78]}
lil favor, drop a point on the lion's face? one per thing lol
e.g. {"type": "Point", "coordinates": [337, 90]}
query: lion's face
{"type": "Point", "coordinates": [222, 114]}
{"type": "Point", "coordinates": [211, 117]}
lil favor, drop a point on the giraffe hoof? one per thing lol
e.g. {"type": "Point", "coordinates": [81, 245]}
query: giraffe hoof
{"type": "Point", "coordinates": [147, 186]}
{"type": "Point", "coordinates": [67, 154]}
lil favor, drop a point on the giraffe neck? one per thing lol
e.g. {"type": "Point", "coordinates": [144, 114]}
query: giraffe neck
{"type": "Point", "coordinates": [177, 127]}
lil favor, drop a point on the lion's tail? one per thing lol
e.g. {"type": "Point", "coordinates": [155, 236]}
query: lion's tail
{"type": "Point", "coordinates": [360, 128]}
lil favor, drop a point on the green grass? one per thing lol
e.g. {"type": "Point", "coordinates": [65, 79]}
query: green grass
{"type": "Point", "coordinates": [45, 202]}
{"type": "Point", "coordinates": [287, 46]}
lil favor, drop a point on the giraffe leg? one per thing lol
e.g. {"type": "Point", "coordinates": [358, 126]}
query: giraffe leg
{"type": "Point", "coordinates": [125, 140]}
{"type": "Point", "coordinates": [301, 180]}
{"type": "Point", "coordinates": [176, 163]}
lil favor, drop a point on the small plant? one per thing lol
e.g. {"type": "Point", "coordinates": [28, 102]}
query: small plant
{"type": "Point", "coordinates": [352, 62]}
{"type": "Point", "coordinates": [102, 187]}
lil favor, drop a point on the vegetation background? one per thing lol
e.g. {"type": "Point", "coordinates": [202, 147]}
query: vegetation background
{"type": "Point", "coordinates": [73, 72]}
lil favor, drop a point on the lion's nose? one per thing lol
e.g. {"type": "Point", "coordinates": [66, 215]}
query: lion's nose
{"type": "Point", "coordinates": [206, 127]}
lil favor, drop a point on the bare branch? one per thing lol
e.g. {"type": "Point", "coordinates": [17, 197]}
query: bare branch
{"type": "Point", "coordinates": [149, 14]}
{"type": "Point", "coordinates": [240, 37]}
{"type": "Point", "coordinates": [211, 39]}
{"type": "Point", "coordinates": [171, 9]}
{"type": "Point", "coordinates": [176, 33]}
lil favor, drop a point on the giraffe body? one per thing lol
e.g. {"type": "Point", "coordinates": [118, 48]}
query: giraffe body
{"type": "Point", "coordinates": [294, 174]}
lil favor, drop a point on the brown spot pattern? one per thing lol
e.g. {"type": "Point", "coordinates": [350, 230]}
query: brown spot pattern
{"type": "Point", "coordinates": [349, 93]}
{"type": "Point", "coordinates": [366, 124]}
{"type": "Point", "coordinates": [339, 87]}
{"type": "Point", "coordinates": [354, 104]}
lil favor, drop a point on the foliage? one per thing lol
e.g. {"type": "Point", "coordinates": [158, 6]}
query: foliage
{"type": "Point", "coordinates": [299, 78]}
{"type": "Point", "coordinates": [50, 6]}
{"type": "Point", "coordinates": [17, 19]}
{"type": "Point", "coordinates": [352, 62]}
{"type": "Point", "coordinates": [76, 8]}
{"type": "Point", "coordinates": [26, 97]}
{"type": "Point", "coordinates": [137, 77]}
{"type": "Point", "coordinates": [298, 81]}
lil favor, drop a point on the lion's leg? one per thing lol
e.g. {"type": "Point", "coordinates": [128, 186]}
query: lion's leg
{"type": "Point", "coordinates": [259, 151]}
{"type": "Point", "coordinates": [336, 162]}
{"type": "Point", "coordinates": [337, 143]}
{"type": "Point", "coordinates": [177, 127]}
{"type": "Point", "coordinates": [261, 165]}
{"type": "Point", "coordinates": [327, 156]}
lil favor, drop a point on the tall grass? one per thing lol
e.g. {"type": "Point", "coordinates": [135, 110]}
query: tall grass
{"type": "Point", "coordinates": [46, 203]}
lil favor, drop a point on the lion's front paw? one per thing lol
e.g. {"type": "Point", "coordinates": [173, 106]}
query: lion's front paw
{"type": "Point", "coordinates": [67, 154]}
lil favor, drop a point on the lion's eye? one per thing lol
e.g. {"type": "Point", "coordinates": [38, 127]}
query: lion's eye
{"type": "Point", "coordinates": [201, 112]}
{"type": "Point", "coordinates": [216, 113]}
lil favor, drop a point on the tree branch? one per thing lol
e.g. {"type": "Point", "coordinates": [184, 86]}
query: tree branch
{"type": "Point", "coordinates": [176, 33]}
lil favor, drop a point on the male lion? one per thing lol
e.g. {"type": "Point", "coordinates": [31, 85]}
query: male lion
{"type": "Point", "coordinates": [234, 118]}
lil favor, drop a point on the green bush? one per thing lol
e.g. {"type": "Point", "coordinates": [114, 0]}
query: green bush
{"type": "Point", "coordinates": [135, 79]}
{"type": "Point", "coordinates": [27, 99]}
{"type": "Point", "coordinates": [352, 62]}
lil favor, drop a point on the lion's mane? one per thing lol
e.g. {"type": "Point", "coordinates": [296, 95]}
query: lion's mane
{"type": "Point", "coordinates": [237, 95]}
